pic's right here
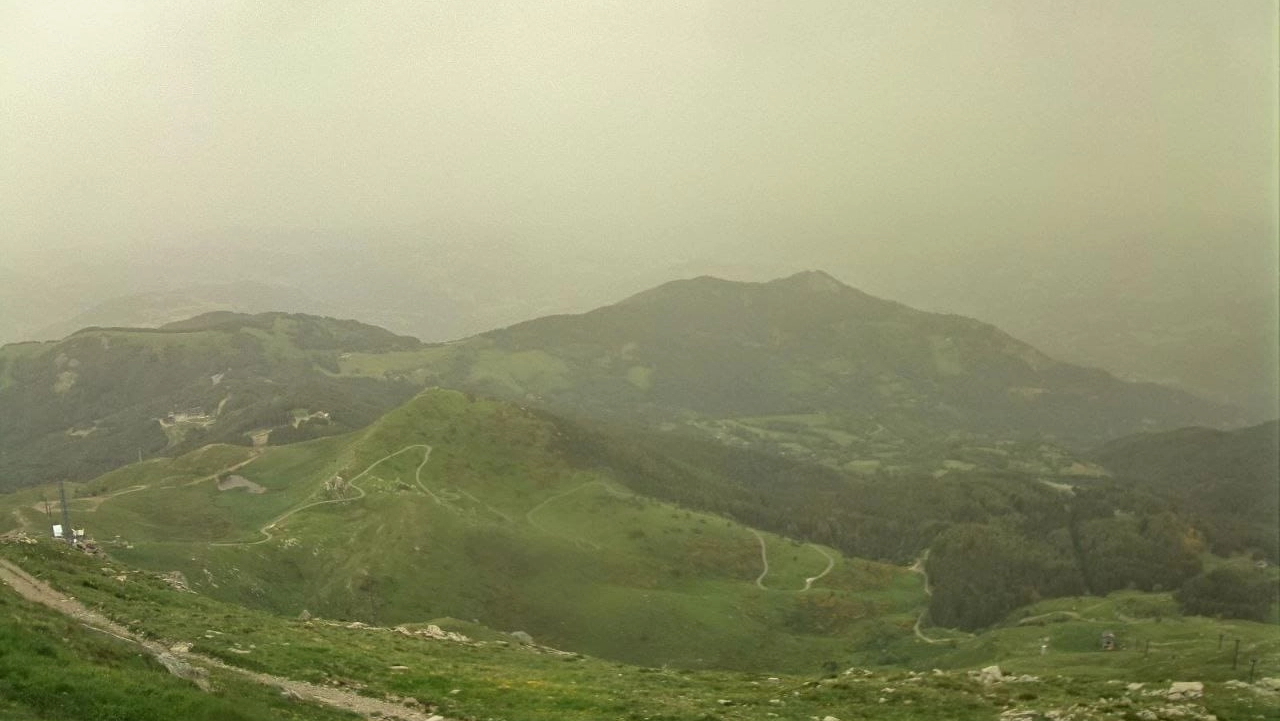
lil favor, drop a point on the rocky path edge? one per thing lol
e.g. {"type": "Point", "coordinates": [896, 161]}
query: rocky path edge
{"type": "Point", "coordinates": [194, 667]}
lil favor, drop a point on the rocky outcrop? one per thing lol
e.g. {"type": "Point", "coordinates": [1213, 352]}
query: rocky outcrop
{"type": "Point", "coordinates": [990, 675]}
{"type": "Point", "coordinates": [1185, 690]}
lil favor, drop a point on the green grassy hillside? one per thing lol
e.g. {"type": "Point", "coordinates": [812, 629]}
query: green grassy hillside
{"type": "Point", "coordinates": [626, 543]}
{"type": "Point", "coordinates": [492, 676]}
{"type": "Point", "coordinates": [54, 668]}
{"type": "Point", "coordinates": [455, 506]}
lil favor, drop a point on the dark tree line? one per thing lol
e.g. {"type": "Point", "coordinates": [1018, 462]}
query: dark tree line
{"type": "Point", "coordinates": [995, 542]}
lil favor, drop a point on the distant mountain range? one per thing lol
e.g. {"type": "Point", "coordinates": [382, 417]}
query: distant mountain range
{"type": "Point", "coordinates": [808, 343]}
{"type": "Point", "coordinates": [1213, 334]}
{"type": "Point", "coordinates": [75, 408]}
{"type": "Point", "coordinates": [803, 366]}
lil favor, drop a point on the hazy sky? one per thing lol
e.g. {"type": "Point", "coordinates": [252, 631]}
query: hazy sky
{"type": "Point", "coordinates": [1097, 177]}
{"type": "Point", "coordinates": [950, 127]}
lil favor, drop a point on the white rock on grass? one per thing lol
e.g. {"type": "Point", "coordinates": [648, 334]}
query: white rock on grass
{"type": "Point", "coordinates": [990, 674]}
{"type": "Point", "coordinates": [1183, 690]}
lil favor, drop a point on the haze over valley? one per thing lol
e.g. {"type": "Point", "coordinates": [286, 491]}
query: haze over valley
{"type": "Point", "coordinates": [457, 361]}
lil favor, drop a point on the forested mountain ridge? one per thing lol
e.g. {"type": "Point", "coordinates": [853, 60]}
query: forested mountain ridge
{"type": "Point", "coordinates": [764, 355]}
{"type": "Point", "coordinates": [75, 408]}
{"type": "Point", "coordinates": [1229, 480]}
{"type": "Point", "coordinates": [802, 366]}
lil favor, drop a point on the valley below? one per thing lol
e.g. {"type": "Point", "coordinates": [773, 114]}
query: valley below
{"type": "Point", "coordinates": [840, 508]}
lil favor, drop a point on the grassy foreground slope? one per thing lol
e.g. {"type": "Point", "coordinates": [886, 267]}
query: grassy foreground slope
{"type": "Point", "coordinates": [53, 668]}
{"type": "Point", "coordinates": [492, 676]}
{"type": "Point", "coordinates": [452, 506]}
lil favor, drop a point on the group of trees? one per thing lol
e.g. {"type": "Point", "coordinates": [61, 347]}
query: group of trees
{"type": "Point", "coordinates": [1230, 592]}
{"type": "Point", "coordinates": [995, 542]}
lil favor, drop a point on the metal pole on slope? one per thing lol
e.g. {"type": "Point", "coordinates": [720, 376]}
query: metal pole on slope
{"type": "Point", "coordinates": [67, 533]}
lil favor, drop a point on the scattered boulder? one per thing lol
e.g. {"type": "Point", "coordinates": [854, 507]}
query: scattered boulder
{"type": "Point", "coordinates": [1185, 690]}
{"type": "Point", "coordinates": [305, 615]}
{"type": "Point", "coordinates": [990, 674]}
{"type": "Point", "coordinates": [434, 631]}
{"type": "Point", "coordinates": [176, 581]}
{"type": "Point", "coordinates": [184, 670]}
{"type": "Point", "coordinates": [522, 637]}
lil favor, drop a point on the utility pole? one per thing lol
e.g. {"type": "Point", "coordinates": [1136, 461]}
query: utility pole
{"type": "Point", "coordinates": [67, 533]}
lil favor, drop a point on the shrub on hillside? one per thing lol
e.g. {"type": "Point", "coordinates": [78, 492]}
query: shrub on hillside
{"type": "Point", "coordinates": [1228, 593]}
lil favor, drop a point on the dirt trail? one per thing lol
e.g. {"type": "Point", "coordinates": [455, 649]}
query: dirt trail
{"type": "Point", "coordinates": [194, 667]}
{"type": "Point", "coordinates": [808, 582]}
{"type": "Point", "coordinates": [831, 563]}
{"type": "Point", "coordinates": [266, 529]}
{"type": "Point", "coordinates": [764, 558]}
{"type": "Point", "coordinates": [91, 502]}
{"type": "Point", "coordinates": [528, 516]}
{"type": "Point", "coordinates": [253, 456]}
{"type": "Point", "coordinates": [918, 567]}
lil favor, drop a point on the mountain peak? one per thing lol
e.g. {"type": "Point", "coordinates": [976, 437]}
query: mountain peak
{"type": "Point", "coordinates": [815, 280]}
{"type": "Point", "coordinates": [804, 282]}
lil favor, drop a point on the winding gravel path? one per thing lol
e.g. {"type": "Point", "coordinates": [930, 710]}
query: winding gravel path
{"type": "Point", "coordinates": [918, 567]}
{"type": "Point", "coordinates": [831, 563]}
{"type": "Point", "coordinates": [266, 529]}
{"type": "Point", "coordinates": [528, 516]}
{"type": "Point", "coordinates": [764, 559]}
{"type": "Point", "coordinates": [193, 666]}
{"type": "Point", "coordinates": [808, 582]}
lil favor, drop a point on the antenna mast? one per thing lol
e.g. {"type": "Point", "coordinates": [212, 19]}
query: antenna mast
{"type": "Point", "coordinates": [67, 533]}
